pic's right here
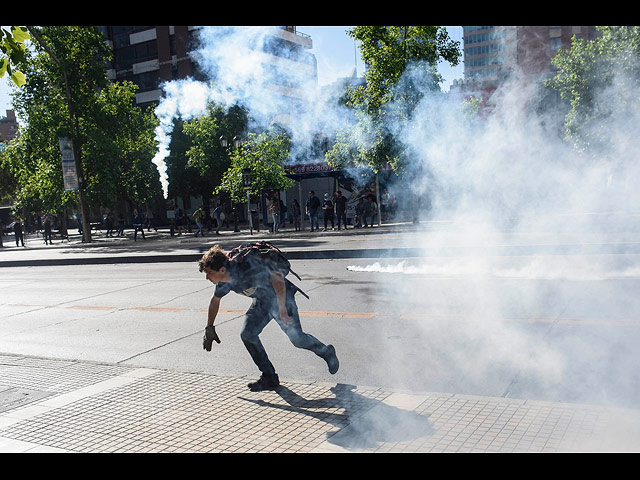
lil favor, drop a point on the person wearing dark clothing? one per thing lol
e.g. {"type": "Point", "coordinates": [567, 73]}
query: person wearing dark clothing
{"type": "Point", "coordinates": [359, 213]}
{"type": "Point", "coordinates": [17, 230]}
{"type": "Point", "coordinates": [179, 216]}
{"type": "Point", "coordinates": [109, 224]}
{"type": "Point", "coordinates": [137, 225]}
{"type": "Point", "coordinates": [120, 232]}
{"type": "Point", "coordinates": [341, 209]}
{"type": "Point", "coordinates": [295, 213]}
{"type": "Point", "coordinates": [312, 205]}
{"type": "Point", "coordinates": [273, 298]}
{"type": "Point", "coordinates": [370, 210]}
{"type": "Point", "coordinates": [327, 208]}
{"type": "Point", "coordinates": [47, 230]}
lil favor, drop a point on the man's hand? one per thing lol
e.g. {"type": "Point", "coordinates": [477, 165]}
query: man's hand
{"type": "Point", "coordinates": [284, 316]}
{"type": "Point", "coordinates": [209, 336]}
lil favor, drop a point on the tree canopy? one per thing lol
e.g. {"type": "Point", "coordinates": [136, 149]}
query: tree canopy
{"type": "Point", "coordinates": [114, 136]}
{"type": "Point", "coordinates": [401, 68]}
{"type": "Point", "coordinates": [599, 79]}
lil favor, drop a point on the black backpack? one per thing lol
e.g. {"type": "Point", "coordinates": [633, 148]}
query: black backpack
{"type": "Point", "coordinates": [270, 255]}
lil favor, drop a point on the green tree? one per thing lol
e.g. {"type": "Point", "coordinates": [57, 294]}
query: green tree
{"type": "Point", "coordinates": [264, 156]}
{"type": "Point", "coordinates": [72, 61]}
{"type": "Point", "coordinates": [388, 51]}
{"type": "Point", "coordinates": [8, 182]}
{"type": "Point", "coordinates": [205, 155]}
{"type": "Point", "coordinates": [13, 49]}
{"type": "Point", "coordinates": [182, 178]}
{"type": "Point", "coordinates": [599, 80]}
{"type": "Point", "coordinates": [401, 68]}
{"type": "Point", "coordinates": [120, 142]}
{"type": "Point", "coordinates": [114, 138]}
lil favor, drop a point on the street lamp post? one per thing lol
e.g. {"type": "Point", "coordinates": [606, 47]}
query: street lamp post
{"type": "Point", "coordinates": [237, 141]}
{"type": "Point", "coordinates": [246, 182]}
{"type": "Point", "coordinates": [224, 143]}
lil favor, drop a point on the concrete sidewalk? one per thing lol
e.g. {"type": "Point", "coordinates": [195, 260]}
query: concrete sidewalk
{"type": "Point", "coordinates": [162, 247]}
{"type": "Point", "coordinates": [70, 406]}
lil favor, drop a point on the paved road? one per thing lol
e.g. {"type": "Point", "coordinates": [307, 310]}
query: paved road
{"type": "Point", "coordinates": [78, 405]}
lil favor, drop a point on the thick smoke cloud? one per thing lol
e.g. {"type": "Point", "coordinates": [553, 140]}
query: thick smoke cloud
{"type": "Point", "coordinates": [541, 227]}
{"type": "Point", "coordinates": [245, 66]}
{"type": "Point", "coordinates": [543, 230]}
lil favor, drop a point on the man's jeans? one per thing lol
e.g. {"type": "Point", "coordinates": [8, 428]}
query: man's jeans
{"type": "Point", "coordinates": [313, 220]}
{"type": "Point", "coordinates": [260, 313]}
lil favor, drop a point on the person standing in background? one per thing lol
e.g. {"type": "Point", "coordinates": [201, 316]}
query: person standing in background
{"type": "Point", "coordinates": [311, 207]}
{"type": "Point", "coordinates": [341, 209]}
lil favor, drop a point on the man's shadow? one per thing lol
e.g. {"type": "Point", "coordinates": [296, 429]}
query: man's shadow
{"type": "Point", "coordinates": [365, 422]}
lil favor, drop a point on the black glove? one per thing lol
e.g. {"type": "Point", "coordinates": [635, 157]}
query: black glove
{"type": "Point", "coordinates": [209, 336]}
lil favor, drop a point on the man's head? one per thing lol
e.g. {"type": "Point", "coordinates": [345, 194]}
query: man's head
{"type": "Point", "coordinates": [312, 193]}
{"type": "Point", "coordinates": [213, 263]}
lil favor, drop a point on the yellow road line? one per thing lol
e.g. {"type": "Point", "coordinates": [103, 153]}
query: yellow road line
{"type": "Point", "coordinates": [156, 309]}
{"type": "Point", "coordinates": [361, 315]}
{"type": "Point", "coordinates": [90, 307]}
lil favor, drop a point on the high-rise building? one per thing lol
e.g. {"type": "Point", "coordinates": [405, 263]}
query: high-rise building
{"type": "Point", "coordinates": [497, 54]}
{"type": "Point", "coordinates": [8, 127]}
{"type": "Point", "coordinates": [493, 52]}
{"type": "Point", "coordinates": [151, 55]}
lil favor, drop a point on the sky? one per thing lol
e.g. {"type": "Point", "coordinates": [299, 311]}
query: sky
{"type": "Point", "coordinates": [335, 52]}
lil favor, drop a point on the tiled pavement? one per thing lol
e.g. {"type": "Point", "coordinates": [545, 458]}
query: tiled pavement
{"type": "Point", "coordinates": [71, 406]}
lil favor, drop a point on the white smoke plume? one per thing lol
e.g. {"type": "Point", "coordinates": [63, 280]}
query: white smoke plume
{"type": "Point", "coordinates": [183, 99]}
{"type": "Point", "coordinates": [506, 181]}
{"type": "Point", "coordinates": [564, 221]}
{"type": "Point", "coordinates": [243, 69]}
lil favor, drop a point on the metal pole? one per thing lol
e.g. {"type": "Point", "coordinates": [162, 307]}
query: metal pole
{"type": "Point", "coordinates": [300, 199]}
{"type": "Point", "coordinates": [249, 211]}
{"type": "Point", "coordinates": [378, 200]}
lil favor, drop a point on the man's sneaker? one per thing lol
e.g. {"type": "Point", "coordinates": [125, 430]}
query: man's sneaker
{"type": "Point", "coordinates": [332, 359]}
{"type": "Point", "coordinates": [265, 382]}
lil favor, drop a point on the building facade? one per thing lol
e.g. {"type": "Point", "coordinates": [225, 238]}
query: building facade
{"type": "Point", "coordinates": [151, 55]}
{"type": "Point", "coordinates": [8, 127]}
{"type": "Point", "coordinates": [494, 55]}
